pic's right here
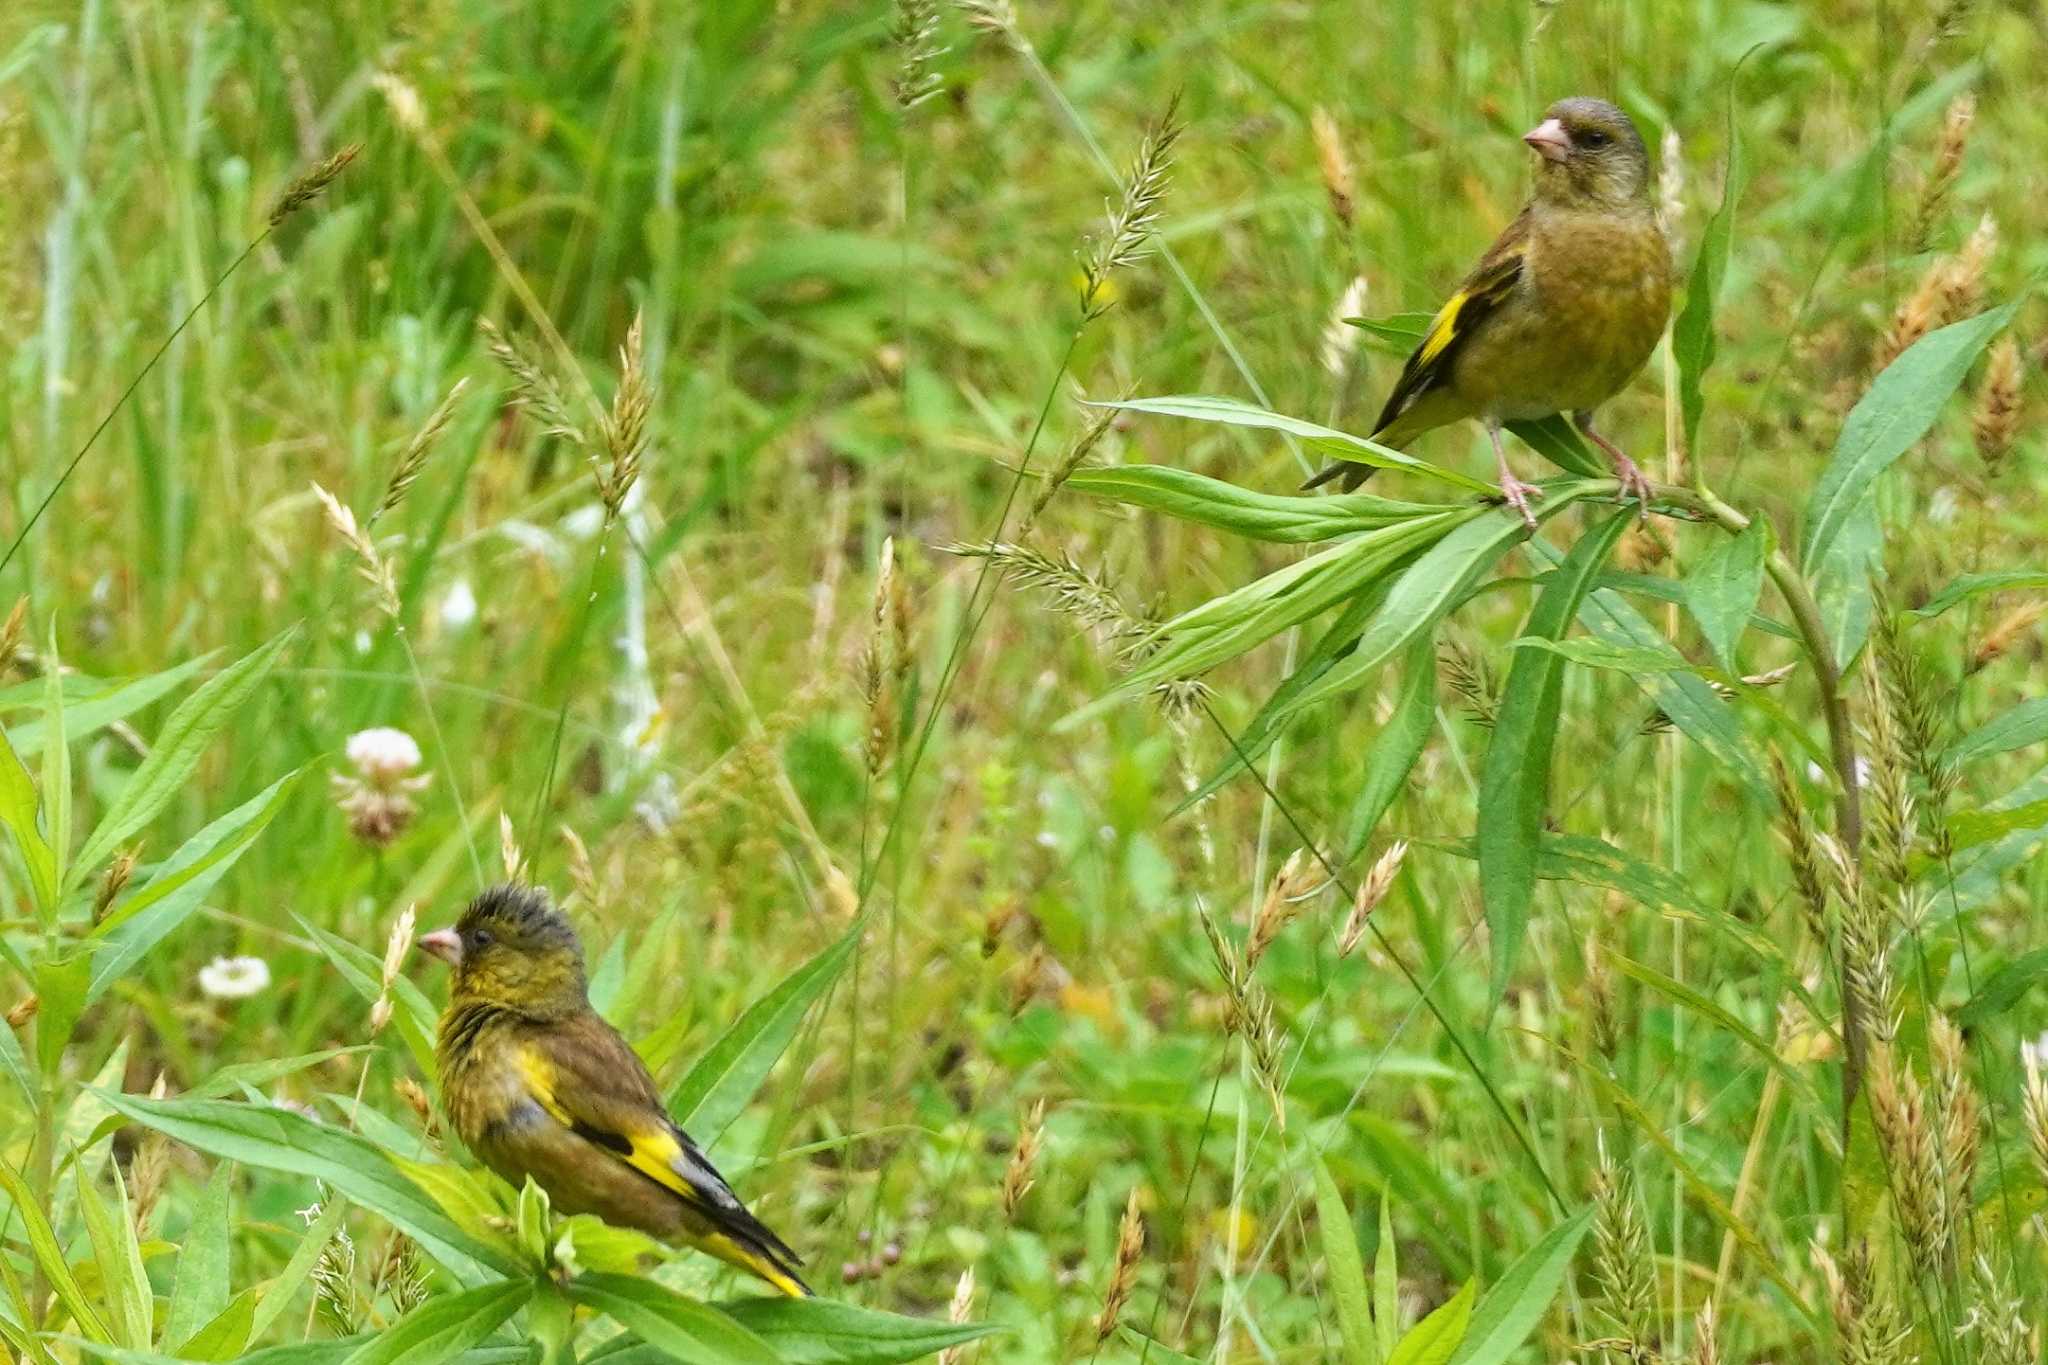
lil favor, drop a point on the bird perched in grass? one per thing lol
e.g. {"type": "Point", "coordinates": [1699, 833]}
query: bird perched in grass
{"type": "Point", "coordinates": [1560, 312]}
{"type": "Point", "coordinates": [539, 1085]}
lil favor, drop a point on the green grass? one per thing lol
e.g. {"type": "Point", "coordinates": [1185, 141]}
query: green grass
{"type": "Point", "coordinates": [854, 317]}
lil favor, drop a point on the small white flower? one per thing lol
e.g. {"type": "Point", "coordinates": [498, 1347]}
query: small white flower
{"type": "Point", "coordinates": [1943, 506]}
{"type": "Point", "coordinates": [383, 754]}
{"type": "Point", "coordinates": [234, 978]}
{"type": "Point", "coordinates": [458, 607]}
{"type": "Point", "coordinates": [2035, 1053]}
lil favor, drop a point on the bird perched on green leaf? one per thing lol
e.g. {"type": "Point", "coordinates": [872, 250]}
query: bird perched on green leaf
{"type": "Point", "coordinates": [537, 1084]}
{"type": "Point", "coordinates": [1561, 311]}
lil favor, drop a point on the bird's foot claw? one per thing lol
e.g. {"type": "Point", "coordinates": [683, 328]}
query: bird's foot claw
{"type": "Point", "coordinates": [1519, 495]}
{"type": "Point", "coordinates": [1634, 484]}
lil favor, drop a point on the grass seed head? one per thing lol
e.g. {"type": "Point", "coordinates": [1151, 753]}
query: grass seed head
{"type": "Point", "coordinates": [958, 1313]}
{"type": "Point", "coordinates": [1133, 215]}
{"type": "Point", "coordinates": [508, 849]}
{"type": "Point", "coordinates": [1130, 1247]}
{"type": "Point", "coordinates": [1018, 1177]}
{"type": "Point", "coordinates": [312, 183]}
{"type": "Point", "coordinates": [914, 30]}
{"type": "Point", "coordinates": [1340, 338]}
{"type": "Point", "coordinates": [1622, 1257]}
{"type": "Point", "coordinates": [414, 457]}
{"type": "Point", "coordinates": [1335, 166]}
{"type": "Point", "coordinates": [1898, 1104]}
{"type": "Point", "coordinates": [1371, 892]}
{"type": "Point", "coordinates": [114, 880]}
{"type": "Point", "coordinates": [1947, 167]}
{"type": "Point", "coordinates": [1997, 416]}
{"type": "Point", "coordinates": [625, 426]}
{"type": "Point", "coordinates": [1293, 882]}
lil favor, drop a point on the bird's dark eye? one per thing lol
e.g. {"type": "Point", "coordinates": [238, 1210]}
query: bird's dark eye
{"type": "Point", "coordinates": [1593, 137]}
{"type": "Point", "coordinates": [480, 938]}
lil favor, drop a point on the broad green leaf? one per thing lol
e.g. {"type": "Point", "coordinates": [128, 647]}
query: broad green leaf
{"type": "Point", "coordinates": [1270, 722]}
{"type": "Point", "coordinates": [282, 1140]}
{"type": "Point", "coordinates": [683, 1327]}
{"type": "Point", "coordinates": [1436, 1337]}
{"type": "Point", "coordinates": [1970, 586]}
{"type": "Point", "coordinates": [1396, 748]}
{"type": "Point", "coordinates": [177, 751]}
{"type": "Point", "coordinates": [199, 1284]}
{"type": "Point", "coordinates": [229, 1079]}
{"type": "Point", "coordinates": [1723, 587]}
{"type": "Point", "coordinates": [18, 806]}
{"type": "Point", "coordinates": [1341, 444]}
{"type": "Point", "coordinates": [1429, 587]}
{"type": "Point", "coordinates": [226, 1334]}
{"type": "Point", "coordinates": [180, 883]}
{"type": "Point", "coordinates": [1692, 335]}
{"type": "Point", "coordinates": [1514, 783]}
{"type": "Point", "coordinates": [712, 1092]}
{"type": "Point", "coordinates": [825, 1332]}
{"type": "Point", "coordinates": [1672, 590]}
{"type": "Point", "coordinates": [2022, 725]}
{"type": "Point", "coordinates": [1891, 417]}
{"type": "Point", "coordinates": [442, 1328]}
{"type": "Point", "coordinates": [1281, 518]}
{"type": "Point", "coordinates": [112, 1234]}
{"type": "Point", "coordinates": [49, 1256]}
{"type": "Point", "coordinates": [1346, 1270]}
{"type": "Point", "coordinates": [1594, 653]}
{"type": "Point", "coordinates": [62, 983]}
{"type": "Point", "coordinates": [1523, 1294]}
{"type": "Point", "coordinates": [464, 1196]}
{"type": "Point", "coordinates": [1842, 584]}
{"type": "Point", "coordinates": [1969, 828]}
{"type": "Point", "coordinates": [97, 703]}
{"type": "Point", "coordinates": [277, 1296]}
{"type": "Point", "coordinates": [2005, 988]}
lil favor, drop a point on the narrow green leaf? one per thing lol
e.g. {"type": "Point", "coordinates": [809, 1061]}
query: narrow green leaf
{"type": "Point", "coordinates": [1703, 1004]}
{"type": "Point", "coordinates": [1969, 828]}
{"type": "Point", "coordinates": [2022, 725]}
{"type": "Point", "coordinates": [1386, 1283]}
{"type": "Point", "coordinates": [226, 1334]}
{"type": "Point", "coordinates": [1559, 442]}
{"type": "Point", "coordinates": [712, 1092]}
{"type": "Point", "coordinates": [282, 1140]}
{"type": "Point", "coordinates": [1842, 583]}
{"type": "Point", "coordinates": [277, 1296]}
{"type": "Point", "coordinates": [56, 776]}
{"type": "Point", "coordinates": [1594, 653]}
{"type": "Point", "coordinates": [1437, 1336]}
{"type": "Point", "coordinates": [1891, 417]}
{"type": "Point", "coordinates": [1672, 590]}
{"type": "Point", "coordinates": [1397, 747]}
{"type": "Point", "coordinates": [1692, 336]}
{"type": "Point", "coordinates": [1346, 1270]}
{"type": "Point", "coordinates": [666, 1320]}
{"type": "Point", "coordinates": [1970, 586]}
{"type": "Point", "coordinates": [18, 807]}
{"type": "Point", "coordinates": [179, 885]}
{"type": "Point", "coordinates": [2004, 988]}
{"type": "Point", "coordinates": [1514, 784]}
{"type": "Point", "coordinates": [49, 1256]}
{"type": "Point", "coordinates": [112, 1239]}
{"type": "Point", "coordinates": [1279, 518]}
{"type": "Point", "coordinates": [1523, 1294]}
{"type": "Point", "coordinates": [178, 749]}
{"type": "Point", "coordinates": [1429, 587]}
{"type": "Point", "coordinates": [199, 1285]}
{"type": "Point", "coordinates": [442, 1328]}
{"type": "Point", "coordinates": [92, 704]}
{"type": "Point", "coordinates": [1723, 587]}
{"type": "Point", "coordinates": [1341, 444]}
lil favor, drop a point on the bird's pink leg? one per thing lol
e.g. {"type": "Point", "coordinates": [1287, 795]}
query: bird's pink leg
{"type": "Point", "coordinates": [1634, 483]}
{"type": "Point", "coordinates": [1513, 490]}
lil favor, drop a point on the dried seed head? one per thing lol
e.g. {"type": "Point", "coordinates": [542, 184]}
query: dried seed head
{"type": "Point", "coordinates": [1948, 165]}
{"type": "Point", "coordinates": [1295, 880]}
{"type": "Point", "coordinates": [11, 633]}
{"type": "Point", "coordinates": [508, 849]}
{"type": "Point", "coordinates": [1018, 1177]}
{"type": "Point", "coordinates": [1893, 827]}
{"type": "Point", "coordinates": [1997, 417]}
{"type": "Point", "coordinates": [114, 880]}
{"type": "Point", "coordinates": [1371, 892]}
{"type": "Point", "coordinates": [407, 109]}
{"type": "Point", "coordinates": [2007, 631]}
{"type": "Point", "coordinates": [1130, 1246]}
{"type": "Point", "coordinates": [1340, 338]}
{"type": "Point", "coordinates": [1797, 830]}
{"type": "Point", "coordinates": [371, 565]}
{"type": "Point", "coordinates": [1100, 419]}
{"type": "Point", "coordinates": [957, 1314]}
{"type": "Point", "coordinates": [1603, 1020]}
{"type": "Point", "coordinates": [1335, 167]}
{"type": "Point", "coordinates": [1671, 189]}
{"type": "Point", "coordinates": [582, 875]}
{"type": "Point", "coordinates": [1086, 595]}
{"type": "Point", "coordinates": [1898, 1105]}
{"type": "Point", "coordinates": [1622, 1258]}
{"type": "Point", "coordinates": [1962, 285]}
{"type": "Point", "coordinates": [914, 31]}
{"type": "Point", "coordinates": [312, 183]}
{"type": "Point", "coordinates": [414, 1096]}
{"type": "Point", "coordinates": [1471, 677]}
{"type": "Point", "coordinates": [23, 1011]}
{"type": "Point", "coordinates": [992, 16]}
{"type": "Point", "coordinates": [876, 677]}
{"type": "Point", "coordinates": [1958, 1112]}
{"type": "Point", "coordinates": [1867, 1319]}
{"type": "Point", "coordinates": [533, 385]}
{"type": "Point", "coordinates": [1134, 215]}
{"type": "Point", "coordinates": [413, 458]}
{"type": "Point", "coordinates": [1248, 1013]}
{"type": "Point", "coordinates": [625, 426]}
{"type": "Point", "coordinates": [2033, 1111]}
{"type": "Point", "coordinates": [1706, 1336]}
{"type": "Point", "coordinates": [148, 1169]}
{"type": "Point", "coordinates": [399, 944]}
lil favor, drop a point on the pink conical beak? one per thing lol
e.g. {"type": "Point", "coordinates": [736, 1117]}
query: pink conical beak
{"type": "Point", "coordinates": [1549, 139]}
{"type": "Point", "coordinates": [445, 944]}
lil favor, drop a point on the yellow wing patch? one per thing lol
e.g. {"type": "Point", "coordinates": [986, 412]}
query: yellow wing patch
{"type": "Point", "coordinates": [652, 1152]}
{"type": "Point", "coordinates": [1442, 329]}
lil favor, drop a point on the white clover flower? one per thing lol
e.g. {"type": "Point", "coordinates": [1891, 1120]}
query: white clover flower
{"type": "Point", "coordinates": [383, 755]}
{"type": "Point", "coordinates": [458, 606]}
{"type": "Point", "coordinates": [234, 978]}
